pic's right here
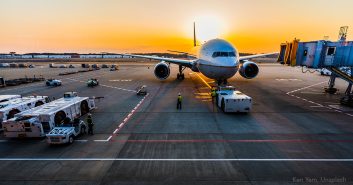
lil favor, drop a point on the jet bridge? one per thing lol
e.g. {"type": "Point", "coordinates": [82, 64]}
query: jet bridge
{"type": "Point", "coordinates": [322, 54]}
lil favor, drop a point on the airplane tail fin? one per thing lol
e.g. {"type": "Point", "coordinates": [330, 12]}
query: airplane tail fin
{"type": "Point", "coordinates": [194, 36]}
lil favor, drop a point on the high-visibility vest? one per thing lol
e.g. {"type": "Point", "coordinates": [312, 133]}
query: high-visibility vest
{"type": "Point", "coordinates": [89, 121]}
{"type": "Point", "coordinates": [213, 93]}
{"type": "Point", "coordinates": [180, 98]}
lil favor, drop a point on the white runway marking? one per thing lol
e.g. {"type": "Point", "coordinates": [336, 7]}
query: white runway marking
{"type": "Point", "coordinates": [121, 125]}
{"type": "Point", "coordinates": [305, 87]}
{"type": "Point", "coordinates": [288, 79]}
{"type": "Point", "coordinates": [181, 160]}
{"type": "Point", "coordinates": [101, 140]}
{"type": "Point", "coordinates": [317, 104]}
{"type": "Point", "coordinates": [81, 140]}
{"type": "Point", "coordinates": [108, 86]}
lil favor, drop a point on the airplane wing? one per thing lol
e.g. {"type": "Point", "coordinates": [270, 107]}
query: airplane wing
{"type": "Point", "coordinates": [182, 62]}
{"type": "Point", "coordinates": [255, 56]}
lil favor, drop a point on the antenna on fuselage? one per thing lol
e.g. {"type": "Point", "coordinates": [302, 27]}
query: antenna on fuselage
{"type": "Point", "coordinates": [194, 36]}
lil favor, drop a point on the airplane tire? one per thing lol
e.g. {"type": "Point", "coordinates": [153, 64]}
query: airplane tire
{"type": "Point", "coordinates": [84, 108]}
{"type": "Point", "coordinates": [12, 113]}
{"type": "Point", "coordinates": [59, 117]}
{"type": "Point", "coordinates": [38, 103]}
{"type": "Point", "coordinates": [71, 140]}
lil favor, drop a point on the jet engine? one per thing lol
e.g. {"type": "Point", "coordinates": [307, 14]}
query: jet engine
{"type": "Point", "coordinates": [162, 71]}
{"type": "Point", "coordinates": [249, 70]}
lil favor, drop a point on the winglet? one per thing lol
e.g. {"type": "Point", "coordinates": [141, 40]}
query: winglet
{"type": "Point", "coordinates": [194, 36]}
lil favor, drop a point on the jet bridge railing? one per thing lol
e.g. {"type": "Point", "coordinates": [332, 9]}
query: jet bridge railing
{"type": "Point", "coordinates": [317, 54]}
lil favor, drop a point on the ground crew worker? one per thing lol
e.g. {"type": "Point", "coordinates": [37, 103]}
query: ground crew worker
{"type": "Point", "coordinates": [180, 99]}
{"type": "Point", "coordinates": [90, 124]}
{"type": "Point", "coordinates": [213, 94]}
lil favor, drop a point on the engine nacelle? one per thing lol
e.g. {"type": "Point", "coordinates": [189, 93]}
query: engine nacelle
{"type": "Point", "coordinates": [249, 70]}
{"type": "Point", "coordinates": [162, 71]}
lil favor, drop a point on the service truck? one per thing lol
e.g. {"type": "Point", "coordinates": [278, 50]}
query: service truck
{"type": "Point", "coordinates": [231, 100]}
{"type": "Point", "coordinates": [9, 108]}
{"type": "Point", "coordinates": [66, 133]}
{"type": "Point", "coordinates": [41, 120]}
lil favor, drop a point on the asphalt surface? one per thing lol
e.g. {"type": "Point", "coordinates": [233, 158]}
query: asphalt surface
{"type": "Point", "coordinates": [295, 133]}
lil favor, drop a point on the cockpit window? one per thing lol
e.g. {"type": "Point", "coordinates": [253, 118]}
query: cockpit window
{"type": "Point", "coordinates": [223, 54]}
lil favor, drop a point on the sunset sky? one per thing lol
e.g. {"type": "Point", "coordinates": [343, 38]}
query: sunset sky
{"type": "Point", "coordinates": [158, 25]}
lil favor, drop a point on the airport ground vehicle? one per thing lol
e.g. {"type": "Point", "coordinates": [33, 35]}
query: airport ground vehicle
{"type": "Point", "coordinates": [141, 90]}
{"type": "Point", "coordinates": [66, 133]}
{"type": "Point", "coordinates": [85, 65]}
{"type": "Point", "coordinates": [4, 98]}
{"type": "Point", "coordinates": [327, 72]}
{"type": "Point", "coordinates": [231, 100]}
{"type": "Point", "coordinates": [114, 67]}
{"type": "Point", "coordinates": [38, 121]}
{"type": "Point", "coordinates": [53, 82]}
{"type": "Point", "coordinates": [95, 66]}
{"type": "Point", "coordinates": [92, 82]}
{"type": "Point", "coordinates": [2, 82]}
{"type": "Point", "coordinates": [9, 108]}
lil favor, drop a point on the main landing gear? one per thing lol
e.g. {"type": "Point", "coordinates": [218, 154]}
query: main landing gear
{"type": "Point", "coordinates": [222, 82]}
{"type": "Point", "coordinates": [180, 75]}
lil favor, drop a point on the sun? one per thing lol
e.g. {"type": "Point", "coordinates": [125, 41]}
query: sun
{"type": "Point", "coordinates": [209, 27]}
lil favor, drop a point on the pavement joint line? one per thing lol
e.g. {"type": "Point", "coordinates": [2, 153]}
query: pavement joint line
{"type": "Point", "coordinates": [187, 159]}
{"type": "Point", "coordinates": [21, 87]}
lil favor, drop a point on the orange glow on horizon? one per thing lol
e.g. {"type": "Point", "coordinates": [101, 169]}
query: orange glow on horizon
{"type": "Point", "coordinates": [85, 26]}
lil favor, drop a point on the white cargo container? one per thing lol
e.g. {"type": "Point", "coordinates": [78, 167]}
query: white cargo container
{"type": "Point", "coordinates": [9, 108]}
{"type": "Point", "coordinates": [4, 98]}
{"type": "Point", "coordinates": [41, 120]}
{"type": "Point", "coordinates": [231, 100]}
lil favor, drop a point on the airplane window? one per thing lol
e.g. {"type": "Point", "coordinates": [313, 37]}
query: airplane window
{"type": "Point", "coordinates": [231, 54]}
{"type": "Point", "coordinates": [223, 54]}
{"type": "Point", "coordinates": [331, 51]}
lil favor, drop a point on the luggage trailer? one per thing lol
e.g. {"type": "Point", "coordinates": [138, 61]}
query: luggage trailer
{"type": "Point", "coordinates": [39, 121]}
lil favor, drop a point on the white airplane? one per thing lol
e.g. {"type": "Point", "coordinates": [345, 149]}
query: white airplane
{"type": "Point", "coordinates": [217, 59]}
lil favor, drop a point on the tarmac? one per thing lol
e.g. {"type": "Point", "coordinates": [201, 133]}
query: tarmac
{"type": "Point", "coordinates": [294, 134]}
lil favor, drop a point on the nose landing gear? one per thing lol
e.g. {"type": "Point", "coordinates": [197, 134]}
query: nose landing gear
{"type": "Point", "coordinates": [222, 82]}
{"type": "Point", "coordinates": [180, 75]}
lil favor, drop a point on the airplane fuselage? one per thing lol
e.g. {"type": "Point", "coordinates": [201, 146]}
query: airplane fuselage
{"type": "Point", "coordinates": [218, 59]}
